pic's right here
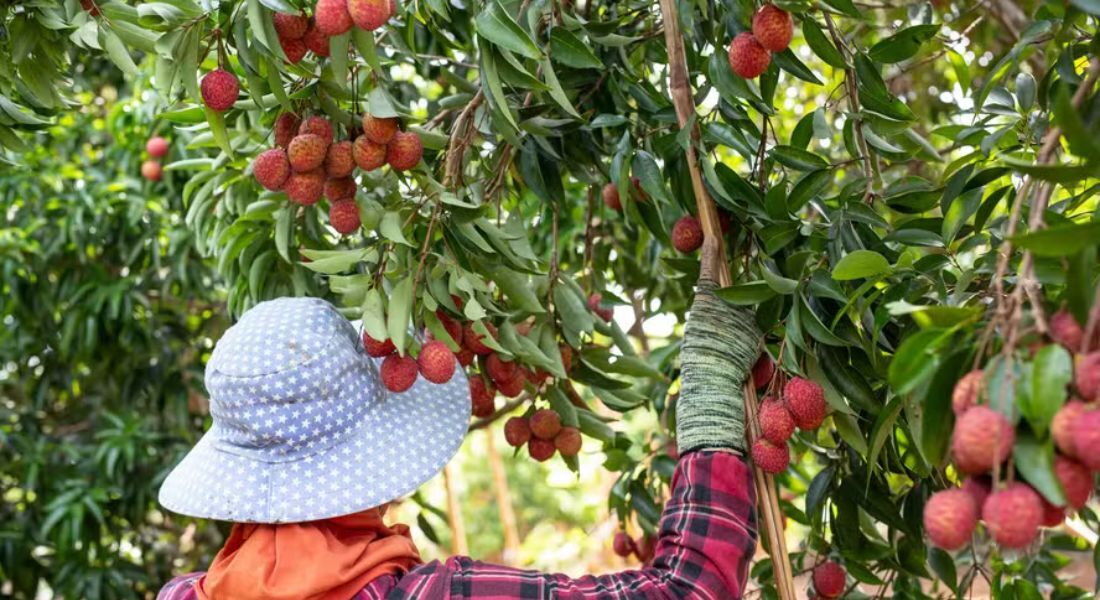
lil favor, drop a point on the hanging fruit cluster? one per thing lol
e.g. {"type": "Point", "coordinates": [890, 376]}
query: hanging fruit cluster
{"type": "Point", "coordinates": [801, 405]}
{"type": "Point", "coordinates": [750, 52]}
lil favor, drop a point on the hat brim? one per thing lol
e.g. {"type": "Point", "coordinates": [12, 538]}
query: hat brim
{"type": "Point", "coordinates": [404, 440]}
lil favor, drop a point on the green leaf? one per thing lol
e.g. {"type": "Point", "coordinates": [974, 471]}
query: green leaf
{"type": "Point", "coordinates": [916, 359]}
{"type": "Point", "coordinates": [496, 25]}
{"type": "Point", "coordinates": [567, 49]}
{"type": "Point", "coordinates": [1064, 174]}
{"type": "Point", "coordinates": [1035, 461]}
{"type": "Point", "coordinates": [400, 308]}
{"type": "Point", "coordinates": [798, 159]}
{"type": "Point", "coordinates": [903, 44]}
{"type": "Point", "coordinates": [556, 91]}
{"type": "Point", "coordinates": [1051, 372]}
{"type": "Point", "coordinates": [753, 292]}
{"type": "Point", "coordinates": [809, 185]}
{"type": "Point", "coordinates": [645, 168]}
{"type": "Point", "coordinates": [1060, 240]}
{"type": "Point", "coordinates": [821, 45]}
{"type": "Point", "coordinates": [860, 264]}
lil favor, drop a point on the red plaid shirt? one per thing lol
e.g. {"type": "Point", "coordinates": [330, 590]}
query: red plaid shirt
{"type": "Point", "coordinates": [706, 541]}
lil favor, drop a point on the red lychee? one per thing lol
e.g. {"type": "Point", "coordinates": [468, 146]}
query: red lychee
{"type": "Point", "coordinates": [343, 215]}
{"type": "Point", "coordinates": [472, 339]}
{"type": "Point", "coordinates": [540, 450]}
{"type": "Point", "coordinates": [646, 547]}
{"type": "Point", "coordinates": [1088, 376]}
{"type": "Point", "coordinates": [290, 26]}
{"type": "Point", "coordinates": [622, 544]}
{"type": "Point", "coordinates": [771, 458]}
{"type": "Point", "coordinates": [687, 234]}
{"type": "Point", "coordinates": [151, 170]}
{"type": "Point", "coordinates": [1053, 516]}
{"type": "Point", "coordinates": [404, 151]}
{"type": "Point", "coordinates": [950, 517]}
{"type": "Point", "coordinates": [966, 391]}
{"type": "Point", "coordinates": [517, 431]}
{"type": "Point", "coordinates": [1076, 481]}
{"type": "Point", "coordinates": [773, 28]}
{"type": "Point", "coordinates": [776, 423]}
{"type": "Point", "coordinates": [453, 328]}
{"type": "Point", "coordinates": [545, 424]}
{"type": "Point", "coordinates": [610, 195]}
{"type": "Point", "coordinates": [1086, 439]}
{"type": "Point", "coordinates": [1061, 427]}
{"type": "Point", "coordinates": [317, 42]}
{"type": "Point", "coordinates": [829, 579]}
{"type": "Point", "coordinates": [481, 393]}
{"type": "Point", "coordinates": [379, 130]}
{"type": "Point", "coordinates": [295, 50]}
{"type": "Point", "coordinates": [568, 441]}
{"type": "Point", "coordinates": [220, 89]}
{"type": "Point", "coordinates": [566, 357]}
{"type": "Point", "coordinates": [339, 161]}
{"type": "Point", "coordinates": [368, 155]}
{"type": "Point", "coordinates": [90, 7]}
{"type": "Point", "coordinates": [318, 126]}
{"type": "Point", "coordinates": [156, 147]}
{"type": "Point", "coordinates": [483, 405]}
{"type": "Point", "coordinates": [1065, 330]}
{"type": "Point", "coordinates": [513, 387]}
{"type": "Point", "coordinates": [806, 402]}
{"type": "Point", "coordinates": [595, 305]}
{"type": "Point", "coordinates": [978, 488]}
{"type": "Point", "coordinates": [286, 127]}
{"type": "Point", "coordinates": [271, 168]}
{"type": "Point", "coordinates": [1013, 515]}
{"type": "Point", "coordinates": [465, 357]}
{"type": "Point", "coordinates": [500, 370]}
{"type": "Point", "coordinates": [306, 152]}
{"type": "Point", "coordinates": [436, 362]}
{"type": "Point", "coordinates": [398, 373]}
{"type": "Point", "coordinates": [983, 437]}
{"type": "Point", "coordinates": [763, 371]}
{"type": "Point", "coordinates": [748, 58]}
{"type": "Point", "coordinates": [370, 14]}
{"type": "Point", "coordinates": [305, 187]}
{"type": "Point", "coordinates": [376, 348]}
{"type": "Point", "coordinates": [342, 188]}
{"type": "Point", "coordinates": [331, 17]}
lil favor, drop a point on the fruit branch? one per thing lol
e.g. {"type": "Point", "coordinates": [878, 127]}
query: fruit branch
{"type": "Point", "coordinates": [503, 410]}
{"type": "Point", "coordinates": [714, 255]}
{"type": "Point", "coordinates": [854, 105]}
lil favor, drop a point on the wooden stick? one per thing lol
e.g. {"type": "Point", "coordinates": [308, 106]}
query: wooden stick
{"type": "Point", "coordinates": [504, 502]}
{"type": "Point", "coordinates": [454, 514]}
{"type": "Point", "coordinates": [680, 88]}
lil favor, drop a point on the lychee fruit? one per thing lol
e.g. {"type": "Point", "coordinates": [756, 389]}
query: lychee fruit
{"type": "Point", "coordinates": [978, 488]}
{"type": "Point", "coordinates": [687, 234]}
{"type": "Point", "coordinates": [306, 152]}
{"type": "Point", "coordinates": [481, 392]}
{"type": "Point", "coordinates": [90, 7]}
{"type": "Point", "coordinates": [271, 168]}
{"type": "Point", "coordinates": [343, 215]}
{"type": "Point", "coordinates": [342, 188]}
{"type": "Point", "coordinates": [472, 339]}
{"type": "Point", "coordinates": [545, 424]}
{"type": "Point", "coordinates": [305, 187]}
{"type": "Point", "coordinates": [295, 50]}
{"type": "Point", "coordinates": [370, 14]}
{"type": "Point", "coordinates": [1053, 516]}
{"type": "Point", "coordinates": [610, 195]}
{"type": "Point", "coordinates": [771, 458]}
{"type": "Point", "coordinates": [510, 388]}
{"type": "Point", "coordinates": [1061, 426]}
{"type": "Point", "coordinates": [404, 151]}
{"type": "Point", "coordinates": [152, 170]}
{"type": "Point", "coordinates": [465, 357]}
{"type": "Point", "coordinates": [772, 28]}
{"type": "Point", "coordinates": [950, 517]}
{"type": "Point", "coordinates": [377, 349]}
{"type": "Point", "coordinates": [517, 431]}
{"type": "Point", "coordinates": [290, 26]}
{"type": "Point", "coordinates": [1076, 481]}
{"type": "Point", "coordinates": [1065, 330]}
{"type": "Point", "coordinates": [566, 357]}
{"type": "Point", "coordinates": [454, 328]}
{"type": "Point", "coordinates": [829, 579]}
{"type": "Point", "coordinates": [806, 402]}
{"type": "Point", "coordinates": [318, 126]}
{"type": "Point", "coordinates": [379, 130]}
{"type": "Point", "coordinates": [157, 147]}
{"type": "Point", "coordinates": [763, 371]}
{"type": "Point", "coordinates": [540, 450]}
{"type": "Point", "coordinates": [646, 547]}
{"type": "Point", "coordinates": [966, 392]}
{"type": "Point", "coordinates": [331, 17]}
{"type": "Point", "coordinates": [368, 155]}
{"type": "Point", "coordinates": [568, 441]}
{"type": "Point", "coordinates": [317, 42]}
{"type": "Point", "coordinates": [776, 423]}
{"type": "Point", "coordinates": [983, 437]}
{"type": "Point", "coordinates": [500, 370]}
{"type": "Point", "coordinates": [286, 127]}
{"type": "Point", "coordinates": [595, 305]}
{"type": "Point", "coordinates": [339, 161]}
{"type": "Point", "coordinates": [1088, 376]}
{"type": "Point", "coordinates": [436, 362]}
{"type": "Point", "coordinates": [622, 544]}
{"type": "Point", "coordinates": [1013, 515]}
{"type": "Point", "coordinates": [398, 373]}
{"type": "Point", "coordinates": [1086, 439]}
{"type": "Point", "coordinates": [748, 58]}
{"type": "Point", "coordinates": [220, 89]}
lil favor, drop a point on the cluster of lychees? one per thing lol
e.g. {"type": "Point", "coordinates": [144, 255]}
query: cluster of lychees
{"type": "Point", "coordinates": [544, 435]}
{"type": "Point", "coordinates": [156, 148]}
{"type": "Point", "coordinates": [984, 438]}
{"type": "Point", "coordinates": [750, 51]}
{"type": "Point", "coordinates": [299, 34]}
{"type": "Point", "coordinates": [802, 405]}
{"type": "Point", "coordinates": [644, 547]}
{"type": "Point", "coordinates": [398, 373]}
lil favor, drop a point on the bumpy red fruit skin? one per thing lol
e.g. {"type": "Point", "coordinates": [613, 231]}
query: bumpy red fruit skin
{"type": "Point", "coordinates": [339, 161]}
{"type": "Point", "coordinates": [369, 14]}
{"type": "Point", "coordinates": [1086, 439]}
{"type": "Point", "coordinates": [500, 370]}
{"type": "Point", "coordinates": [1076, 481]}
{"type": "Point", "coordinates": [368, 155]}
{"type": "Point", "coordinates": [377, 349]}
{"type": "Point", "coordinates": [594, 305]}
{"type": "Point", "coordinates": [1061, 427]}
{"type": "Point", "coordinates": [286, 127]}
{"type": "Point", "coordinates": [436, 362]}
{"type": "Point", "coordinates": [1088, 376]}
{"type": "Point", "coordinates": [806, 401]}
{"type": "Point", "coordinates": [404, 151]}
{"type": "Point", "coordinates": [90, 6]}
{"type": "Point", "coordinates": [342, 188]}
{"type": "Point", "coordinates": [978, 488]}
{"type": "Point", "coordinates": [290, 26]}
{"type": "Point", "coordinates": [219, 90]}
{"type": "Point", "coordinates": [966, 392]}
{"type": "Point", "coordinates": [622, 545]}
{"type": "Point", "coordinates": [295, 50]}
{"type": "Point", "coordinates": [378, 129]}
{"type": "Point", "coordinates": [763, 371]}
{"type": "Point", "coordinates": [610, 194]}
{"type": "Point", "coordinates": [454, 328]}
{"type": "Point", "coordinates": [305, 187]}
{"type": "Point", "coordinates": [517, 431]}
{"type": "Point", "coordinates": [773, 28]}
{"type": "Point", "coordinates": [829, 579]}
{"type": "Point", "coordinates": [156, 147]}
{"type": "Point", "coordinates": [306, 152]}
{"type": "Point", "coordinates": [513, 387]}
{"type": "Point", "coordinates": [950, 517]}
{"type": "Point", "coordinates": [541, 450]}
{"type": "Point", "coordinates": [318, 126]}
{"type": "Point", "coordinates": [545, 424]}
{"type": "Point", "coordinates": [472, 339]}
{"type": "Point", "coordinates": [1012, 515]}
{"type": "Point", "coordinates": [687, 234]}
{"type": "Point", "coordinates": [465, 357]}
{"type": "Point", "coordinates": [982, 438]}
{"type": "Point", "coordinates": [646, 547]}
{"type": "Point", "coordinates": [398, 373]}
{"type": "Point", "coordinates": [776, 423]}
{"type": "Point", "coordinates": [151, 170]}
{"type": "Point", "coordinates": [343, 215]}
{"type": "Point", "coordinates": [771, 458]}
{"type": "Point", "coordinates": [1065, 330]}
{"type": "Point", "coordinates": [748, 58]}
{"type": "Point", "coordinates": [1053, 516]}
{"type": "Point", "coordinates": [481, 393]}
{"type": "Point", "coordinates": [271, 168]}
{"type": "Point", "coordinates": [331, 17]}
{"type": "Point", "coordinates": [568, 441]}
{"type": "Point", "coordinates": [317, 42]}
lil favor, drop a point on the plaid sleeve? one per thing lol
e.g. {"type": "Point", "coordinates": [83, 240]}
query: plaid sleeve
{"type": "Point", "coordinates": [707, 536]}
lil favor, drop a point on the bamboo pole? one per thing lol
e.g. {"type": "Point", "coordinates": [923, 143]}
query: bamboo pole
{"type": "Point", "coordinates": [454, 514]}
{"type": "Point", "coordinates": [680, 88]}
{"type": "Point", "coordinates": [504, 501]}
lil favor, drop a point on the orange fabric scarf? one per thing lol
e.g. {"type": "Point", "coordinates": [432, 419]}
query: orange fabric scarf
{"type": "Point", "coordinates": [331, 559]}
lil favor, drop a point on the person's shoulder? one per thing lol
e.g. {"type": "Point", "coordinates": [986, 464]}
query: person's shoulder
{"type": "Point", "coordinates": [181, 588]}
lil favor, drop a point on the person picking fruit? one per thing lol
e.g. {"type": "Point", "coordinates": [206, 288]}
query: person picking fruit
{"type": "Point", "coordinates": [308, 448]}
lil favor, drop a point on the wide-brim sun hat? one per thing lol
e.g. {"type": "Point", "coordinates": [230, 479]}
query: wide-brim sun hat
{"type": "Point", "coordinates": [303, 428]}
